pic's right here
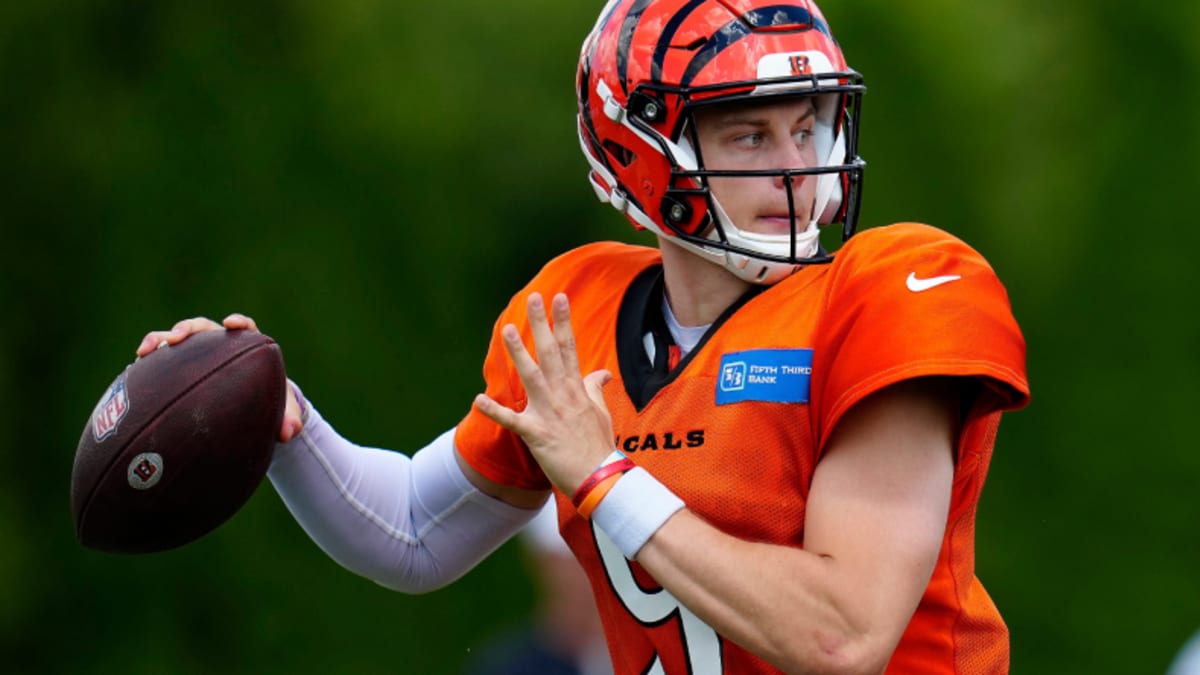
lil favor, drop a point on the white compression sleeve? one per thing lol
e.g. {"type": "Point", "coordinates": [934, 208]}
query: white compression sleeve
{"type": "Point", "coordinates": [412, 525]}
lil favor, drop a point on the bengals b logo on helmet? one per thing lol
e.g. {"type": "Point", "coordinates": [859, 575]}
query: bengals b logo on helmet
{"type": "Point", "coordinates": [799, 64]}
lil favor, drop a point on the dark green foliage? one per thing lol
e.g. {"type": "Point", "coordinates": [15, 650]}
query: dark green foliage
{"type": "Point", "coordinates": [373, 180]}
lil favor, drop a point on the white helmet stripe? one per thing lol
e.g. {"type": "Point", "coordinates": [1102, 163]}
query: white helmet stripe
{"type": "Point", "coordinates": [679, 155]}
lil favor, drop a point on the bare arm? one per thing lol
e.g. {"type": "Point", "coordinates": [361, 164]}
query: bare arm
{"type": "Point", "coordinates": [875, 519]}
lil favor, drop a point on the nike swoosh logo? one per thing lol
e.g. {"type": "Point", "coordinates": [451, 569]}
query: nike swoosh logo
{"type": "Point", "coordinates": [917, 285]}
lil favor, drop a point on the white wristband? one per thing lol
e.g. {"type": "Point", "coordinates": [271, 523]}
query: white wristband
{"type": "Point", "coordinates": [634, 509]}
{"type": "Point", "coordinates": [614, 456]}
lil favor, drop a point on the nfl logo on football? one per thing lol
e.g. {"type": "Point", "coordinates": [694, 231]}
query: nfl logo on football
{"type": "Point", "coordinates": [109, 411]}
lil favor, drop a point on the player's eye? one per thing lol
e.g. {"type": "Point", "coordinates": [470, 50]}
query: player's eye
{"type": "Point", "coordinates": [749, 140]}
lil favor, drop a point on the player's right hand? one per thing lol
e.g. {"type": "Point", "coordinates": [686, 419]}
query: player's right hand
{"type": "Point", "coordinates": [179, 332]}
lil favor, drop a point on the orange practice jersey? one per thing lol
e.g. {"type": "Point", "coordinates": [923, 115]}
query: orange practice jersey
{"type": "Point", "coordinates": [737, 427]}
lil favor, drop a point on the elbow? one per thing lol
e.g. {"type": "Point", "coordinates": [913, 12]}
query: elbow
{"type": "Point", "coordinates": [835, 653]}
{"type": "Point", "coordinates": [847, 663]}
{"type": "Point", "coordinates": [414, 572]}
{"type": "Point", "coordinates": [414, 577]}
{"type": "Point", "coordinates": [410, 587]}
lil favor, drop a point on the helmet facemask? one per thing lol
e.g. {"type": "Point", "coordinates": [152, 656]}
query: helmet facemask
{"type": "Point", "coordinates": [833, 196]}
{"type": "Point", "coordinates": [639, 93]}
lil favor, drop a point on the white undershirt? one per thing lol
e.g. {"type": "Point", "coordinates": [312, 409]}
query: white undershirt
{"type": "Point", "coordinates": [685, 337]}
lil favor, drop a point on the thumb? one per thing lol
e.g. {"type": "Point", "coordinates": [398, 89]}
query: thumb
{"type": "Point", "coordinates": [292, 417]}
{"type": "Point", "coordinates": [594, 383]}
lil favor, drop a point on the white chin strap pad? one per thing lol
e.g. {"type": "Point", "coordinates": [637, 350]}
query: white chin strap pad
{"type": "Point", "coordinates": [829, 185]}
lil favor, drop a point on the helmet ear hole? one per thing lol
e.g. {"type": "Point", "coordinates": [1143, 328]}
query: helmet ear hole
{"type": "Point", "coordinates": [677, 212]}
{"type": "Point", "coordinates": [622, 154]}
{"type": "Point", "coordinates": [648, 108]}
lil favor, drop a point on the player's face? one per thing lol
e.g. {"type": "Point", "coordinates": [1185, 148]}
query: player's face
{"type": "Point", "coordinates": [760, 136]}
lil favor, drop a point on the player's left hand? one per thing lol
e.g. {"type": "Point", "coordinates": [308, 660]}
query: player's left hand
{"type": "Point", "coordinates": [565, 422]}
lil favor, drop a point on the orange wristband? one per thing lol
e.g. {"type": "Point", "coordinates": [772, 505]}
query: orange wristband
{"type": "Point", "coordinates": [597, 493]}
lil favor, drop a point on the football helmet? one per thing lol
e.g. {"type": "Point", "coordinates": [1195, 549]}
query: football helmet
{"type": "Point", "coordinates": [645, 68]}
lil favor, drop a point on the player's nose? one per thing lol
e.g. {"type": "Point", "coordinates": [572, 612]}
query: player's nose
{"type": "Point", "coordinates": [791, 180]}
{"type": "Point", "coordinates": [792, 158]}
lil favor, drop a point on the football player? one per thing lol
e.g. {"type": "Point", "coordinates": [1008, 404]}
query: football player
{"type": "Point", "coordinates": [767, 456]}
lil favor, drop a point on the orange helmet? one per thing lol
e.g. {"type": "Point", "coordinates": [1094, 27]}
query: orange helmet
{"type": "Point", "coordinates": [645, 68]}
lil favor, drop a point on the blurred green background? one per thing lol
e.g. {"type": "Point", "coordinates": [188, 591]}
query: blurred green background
{"type": "Point", "coordinates": [372, 180]}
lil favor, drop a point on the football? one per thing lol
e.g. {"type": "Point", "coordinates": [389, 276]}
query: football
{"type": "Point", "coordinates": [178, 442]}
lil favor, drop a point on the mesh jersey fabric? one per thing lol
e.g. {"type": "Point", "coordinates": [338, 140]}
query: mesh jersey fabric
{"type": "Point", "coordinates": [746, 466]}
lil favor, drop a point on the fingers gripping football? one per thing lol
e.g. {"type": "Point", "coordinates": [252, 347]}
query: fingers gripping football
{"type": "Point", "coordinates": [565, 422]}
{"type": "Point", "coordinates": [181, 330]}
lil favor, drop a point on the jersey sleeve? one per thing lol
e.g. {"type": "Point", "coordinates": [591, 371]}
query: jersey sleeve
{"type": "Point", "coordinates": [489, 448]}
{"type": "Point", "coordinates": [590, 275]}
{"type": "Point", "coordinates": [913, 301]}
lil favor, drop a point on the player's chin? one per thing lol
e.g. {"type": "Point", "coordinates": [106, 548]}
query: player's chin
{"type": "Point", "coordinates": [774, 226]}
